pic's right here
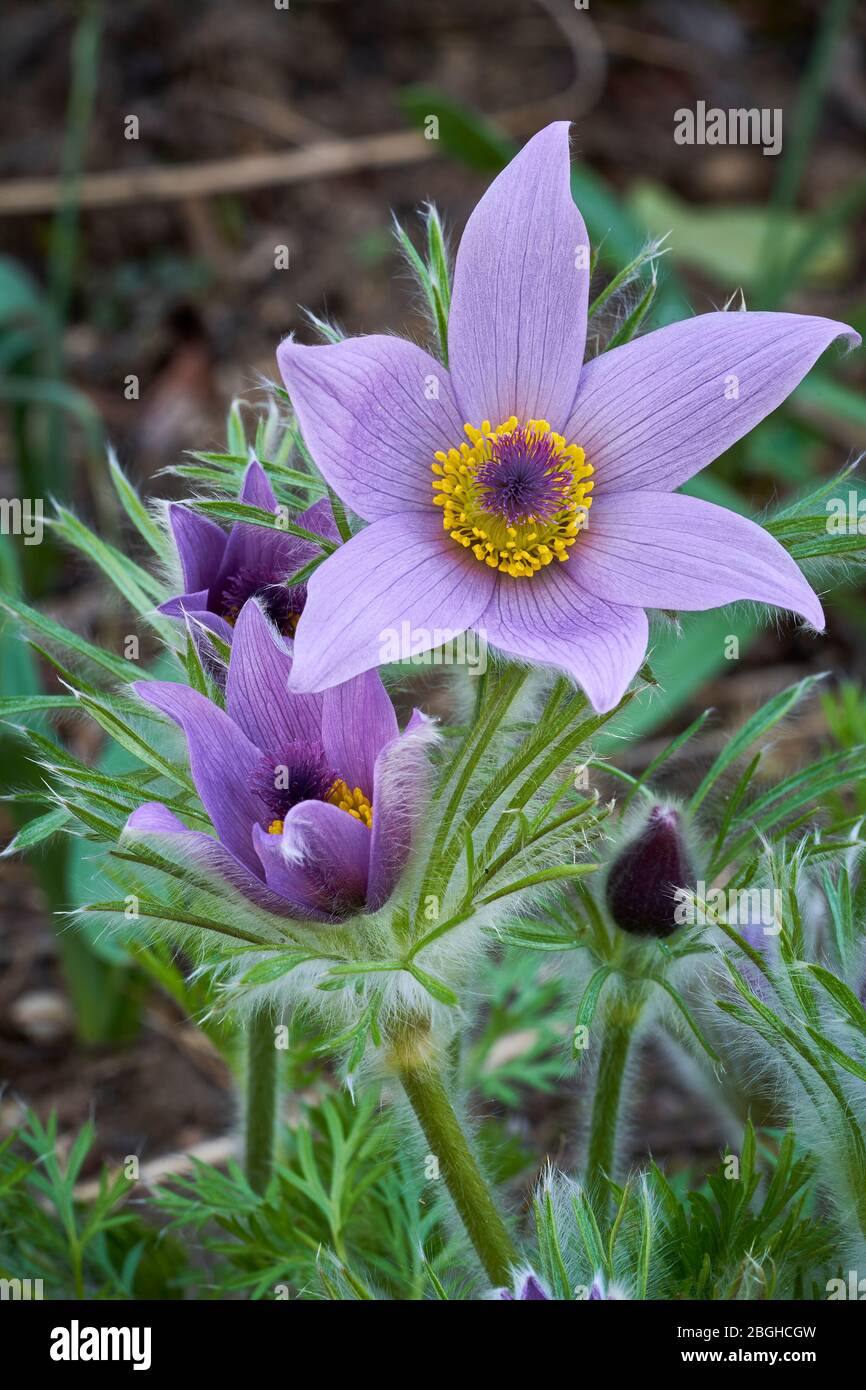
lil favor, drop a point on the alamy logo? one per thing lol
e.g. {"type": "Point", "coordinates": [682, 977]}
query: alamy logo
{"type": "Point", "coordinates": [23, 1289]}
{"type": "Point", "coordinates": [22, 516]}
{"type": "Point", "coordinates": [739, 907]}
{"type": "Point", "coordinates": [77, 1343]}
{"type": "Point", "coordinates": [854, 1288]}
{"type": "Point", "coordinates": [736, 126]}
{"type": "Point", "coordinates": [846, 516]}
{"type": "Point", "coordinates": [434, 647]}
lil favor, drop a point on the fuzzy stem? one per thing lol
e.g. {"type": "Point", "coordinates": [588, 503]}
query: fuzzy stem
{"type": "Point", "coordinates": [260, 1101]}
{"type": "Point", "coordinates": [426, 1093]}
{"type": "Point", "coordinates": [616, 1039]}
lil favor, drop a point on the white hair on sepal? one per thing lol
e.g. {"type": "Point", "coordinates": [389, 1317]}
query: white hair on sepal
{"type": "Point", "coordinates": [561, 1202]}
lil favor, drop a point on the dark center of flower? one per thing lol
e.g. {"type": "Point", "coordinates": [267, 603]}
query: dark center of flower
{"type": "Point", "coordinates": [521, 480]}
{"type": "Point", "coordinates": [282, 602]}
{"type": "Point", "coordinates": [300, 772]}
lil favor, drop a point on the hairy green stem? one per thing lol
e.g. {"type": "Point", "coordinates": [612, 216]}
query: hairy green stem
{"type": "Point", "coordinates": [260, 1101]}
{"type": "Point", "coordinates": [426, 1093]}
{"type": "Point", "coordinates": [616, 1039]}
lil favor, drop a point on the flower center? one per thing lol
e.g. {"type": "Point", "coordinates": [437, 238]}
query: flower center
{"type": "Point", "coordinates": [517, 496]}
{"type": "Point", "coordinates": [282, 602]}
{"type": "Point", "coordinates": [301, 773]}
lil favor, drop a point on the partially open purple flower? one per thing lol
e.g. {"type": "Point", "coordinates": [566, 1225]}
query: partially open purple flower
{"type": "Point", "coordinates": [314, 798]}
{"type": "Point", "coordinates": [529, 1290]}
{"type": "Point", "coordinates": [523, 494]}
{"type": "Point", "coordinates": [221, 570]}
{"type": "Point", "coordinates": [645, 874]}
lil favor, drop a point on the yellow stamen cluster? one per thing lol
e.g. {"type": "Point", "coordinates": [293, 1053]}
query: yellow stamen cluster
{"type": "Point", "coordinates": [518, 550]}
{"type": "Point", "coordinates": [354, 802]}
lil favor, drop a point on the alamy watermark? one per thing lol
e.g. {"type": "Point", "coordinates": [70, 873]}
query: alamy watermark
{"type": "Point", "coordinates": [23, 1290]}
{"type": "Point", "coordinates": [854, 1288]}
{"type": "Point", "coordinates": [424, 646]}
{"type": "Point", "coordinates": [846, 516]}
{"type": "Point", "coordinates": [22, 516]}
{"type": "Point", "coordinates": [736, 126]}
{"type": "Point", "coordinates": [739, 907]}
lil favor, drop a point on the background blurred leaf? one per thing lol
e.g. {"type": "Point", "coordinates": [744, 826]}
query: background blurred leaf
{"type": "Point", "coordinates": [726, 241]}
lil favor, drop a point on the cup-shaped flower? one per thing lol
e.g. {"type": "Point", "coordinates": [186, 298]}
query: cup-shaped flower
{"type": "Point", "coordinates": [314, 798]}
{"type": "Point", "coordinates": [520, 493]}
{"type": "Point", "coordinates": [221, 570]}
{"type": "Point", "coordinates": [644, 876]}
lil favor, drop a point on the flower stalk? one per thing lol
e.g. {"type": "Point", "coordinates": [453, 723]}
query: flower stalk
{"type": "Point", "coordinates": [425, 1089]}
{"type": "Point", "coordinates": [261, 1098]}
{"type": "Point", "coordinates": [619, 1024]}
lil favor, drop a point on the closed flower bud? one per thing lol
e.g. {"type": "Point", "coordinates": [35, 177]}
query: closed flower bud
{"type": "Point", "coordinates": [645, 875]}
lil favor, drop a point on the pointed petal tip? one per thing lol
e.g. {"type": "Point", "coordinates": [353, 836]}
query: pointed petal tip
{"type": "Point", "coordinates": [812, 611]}
{"type": "Point", "coordinates": [253, 470]}
{"type": "Point", "coordinates": [672, 552]}
{"type": "Point", "coordinates": [852, 337]}
{"type": "Point", "coordinates": [530, 298]}
{"type": "Point", "coordinates": [256, 490]}
{"type": "Point", "coordinates": [732, 368]}
{"type": "Point", "coordinates": [140, 688]}
{"type": "Point", "coordinates": [305, 682]}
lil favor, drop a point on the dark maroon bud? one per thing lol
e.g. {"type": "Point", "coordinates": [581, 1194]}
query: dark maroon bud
{"type": "Point", "coordinates": [645, 875]}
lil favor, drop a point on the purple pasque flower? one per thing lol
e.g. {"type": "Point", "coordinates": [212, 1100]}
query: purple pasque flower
{"type": "Point", "coordinates": [221, 570]}
{"type": "Point", "coordinates": [478, 481]}
{"type": "Point", "coordinates": [529, 1290]}
{"type": "Point", "coordinates": [314, 798]}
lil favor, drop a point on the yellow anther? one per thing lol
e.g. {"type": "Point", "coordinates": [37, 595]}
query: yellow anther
{"type": "Point", "coordinates": [352, 801]}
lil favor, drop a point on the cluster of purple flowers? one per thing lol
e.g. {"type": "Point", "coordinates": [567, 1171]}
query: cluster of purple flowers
{"type": "Point", "coordinates": [521, 493]}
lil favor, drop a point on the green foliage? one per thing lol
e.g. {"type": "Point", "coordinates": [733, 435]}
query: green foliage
{"type": "Point", "coordinates": [346, 1209]}
{"type": "Point", "coordinates": [95, 1248]}
{"type": "Point", "coordinates": [805, 1020]}
{"type": "Point", "coordinates": [518, 1048]}
{"type": "Point", "coordinates": [750, 1232]}
{"type": "Point", "coordinates": [350, 1214]}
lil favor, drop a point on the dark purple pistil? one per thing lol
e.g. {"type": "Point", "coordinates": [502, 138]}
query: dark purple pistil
{"type": "Point", "coordinates": [283, 603]}
{"type": "Point", "coordinates": [521, 481]}
{"type": "Point", "coordinates": [299, 772]}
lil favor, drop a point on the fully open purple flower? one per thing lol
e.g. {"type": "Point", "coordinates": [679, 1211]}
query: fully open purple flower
{"type": "Point", "coordinates": [314, 798]}
{"type": "Point", "coordinates": [478, 481]}
{"type": "Point", "coordinates": [221, 570]}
